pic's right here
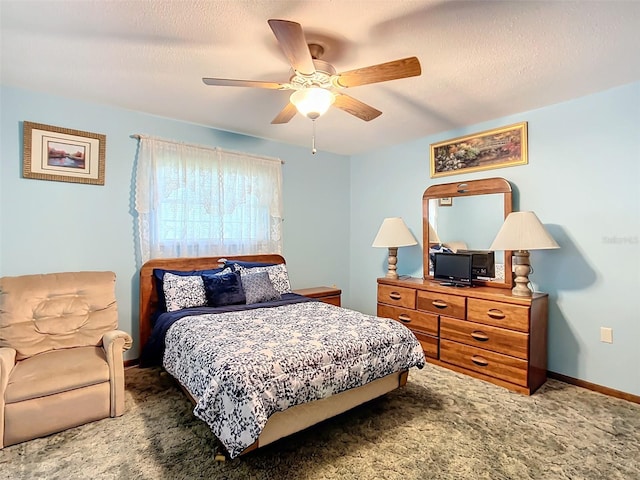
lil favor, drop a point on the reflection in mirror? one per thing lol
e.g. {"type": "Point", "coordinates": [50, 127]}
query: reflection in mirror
{"type": "Point", "coordinates": [469, 223]}
{"type": "Point", "coordinates": [468, 216]}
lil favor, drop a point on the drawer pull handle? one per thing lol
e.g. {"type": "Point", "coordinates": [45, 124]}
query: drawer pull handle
{"type": "Point", "coordinates": [439, 304]}
{"type": "Point", "coordinates": [478, 360]}
{"type": "Point", "coordinates": [480, 336]}
{"type": "Point", "coordinates": [404, 318]}
{"type": "Point", "coordinates": [495, 313]}
{"type": "Point", "coordinates": [395, 296]}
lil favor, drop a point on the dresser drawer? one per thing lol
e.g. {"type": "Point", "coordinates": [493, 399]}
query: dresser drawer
{"type": "Point", "coordinates": [399, 296]}
{"type": "Point", "coordinates": [495, 339]}
{"type": "Point", "coordinates": [504, 367]}
{"type": "Point", "coordinates": [429, 344]}
{"type": "Point", "coordinates": [515, 317]}
{"type": "Point", "coordinates": [425, 322]}
{"type": "Point", "coordinates": [442, 304]}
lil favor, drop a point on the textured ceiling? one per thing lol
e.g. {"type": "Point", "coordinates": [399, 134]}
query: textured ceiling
{"type": "Point", "coordinates": [480, 59]}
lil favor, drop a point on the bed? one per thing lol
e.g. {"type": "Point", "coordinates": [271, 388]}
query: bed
{"type": "Point", "coordinates": [259, 371]}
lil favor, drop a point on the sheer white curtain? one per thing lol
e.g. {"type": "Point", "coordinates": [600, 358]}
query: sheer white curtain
{"type": "Point", "coordinates": [196, 201]}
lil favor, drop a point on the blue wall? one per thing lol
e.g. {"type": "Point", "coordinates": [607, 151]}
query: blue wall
{"type": "Point", "coordinates": [582, 181]}
{"type": "Point", "coordinates": [56, 226]}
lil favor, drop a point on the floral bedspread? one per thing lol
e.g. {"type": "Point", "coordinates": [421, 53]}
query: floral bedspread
{"type": "Point", "coordinates": [244, 366]}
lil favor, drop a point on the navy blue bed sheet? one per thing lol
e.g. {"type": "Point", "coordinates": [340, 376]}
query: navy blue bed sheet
{"type": "Point", "coordinates": [153, 351]}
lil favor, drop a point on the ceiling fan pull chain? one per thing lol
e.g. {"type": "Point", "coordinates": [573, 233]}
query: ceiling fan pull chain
{"type": "Point", "coordinates": [313, 138]}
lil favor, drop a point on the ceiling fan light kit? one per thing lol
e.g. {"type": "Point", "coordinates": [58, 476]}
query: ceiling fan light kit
{"type": "Point", "coordinates": [312, 102]}
{"type": "Point", "coordinates": [315, 82]}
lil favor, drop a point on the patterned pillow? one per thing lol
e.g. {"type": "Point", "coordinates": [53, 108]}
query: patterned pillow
{"type": "Point", "coordinates": [277, 274]}
{"type": "Point", "coordinates": [223, 289]}
{"type": "Point", "coordinates": [158, 277]}
{"type": "Point", "coordinates": [183, 291]}
{"type": "Point", "coordinates": [258, 288]}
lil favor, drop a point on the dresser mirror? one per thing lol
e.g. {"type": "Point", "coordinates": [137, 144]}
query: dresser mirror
{"type": "Point", "coordinates": [467, 216]}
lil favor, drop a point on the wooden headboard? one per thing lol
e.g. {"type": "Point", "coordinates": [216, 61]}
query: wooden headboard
{"type": "Point", "coordinates": [149, 295]}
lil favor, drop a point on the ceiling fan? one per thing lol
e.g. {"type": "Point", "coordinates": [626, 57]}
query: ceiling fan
{"type": "Point", "coordinates": [315, 82]}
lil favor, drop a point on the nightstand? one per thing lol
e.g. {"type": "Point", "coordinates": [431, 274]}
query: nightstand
{"type": "Point", "coordinates": [324, 294]}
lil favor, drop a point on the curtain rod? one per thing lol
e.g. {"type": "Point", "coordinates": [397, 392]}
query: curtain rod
{"type": "Point", "coordinates": [139, 136]}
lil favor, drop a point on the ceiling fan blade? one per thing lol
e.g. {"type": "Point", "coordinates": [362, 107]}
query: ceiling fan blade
{"type": "Point", "coordinates": [406, 67]}
{"type": "Point", "coordinates": [228, 82]}
{"type": "Point", "coordinates": [286, 114]}
{"type": "Point", "coordinates": [356, 107]}
{"type": "Point", "coordinates": [294, 45]}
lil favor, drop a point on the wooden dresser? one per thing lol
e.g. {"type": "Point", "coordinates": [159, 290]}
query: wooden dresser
{"type": "Point", "coordinates": [483, 332]}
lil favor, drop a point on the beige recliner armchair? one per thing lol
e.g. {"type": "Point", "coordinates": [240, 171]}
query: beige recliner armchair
{"type": "Point", "coordinates": [61, 357]}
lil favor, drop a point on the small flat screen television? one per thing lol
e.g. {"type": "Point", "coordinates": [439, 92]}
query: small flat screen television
{"type": "Point", "coordinates": [482, 264]}
{"type": "Point", "coordinates": [453, 269]}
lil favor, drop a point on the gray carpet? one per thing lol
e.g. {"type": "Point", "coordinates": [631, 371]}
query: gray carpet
{"type": "Point", "coordinates": [442, 425]}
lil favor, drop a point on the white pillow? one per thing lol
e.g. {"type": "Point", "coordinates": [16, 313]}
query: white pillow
{"type": "Point", "coordinates": [183, 291]}
{"type": "Point", "coordinates": [277, 274]}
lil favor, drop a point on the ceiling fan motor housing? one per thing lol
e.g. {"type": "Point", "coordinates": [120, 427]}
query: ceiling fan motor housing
{"type": "Point", "coordinates": [320, 78]}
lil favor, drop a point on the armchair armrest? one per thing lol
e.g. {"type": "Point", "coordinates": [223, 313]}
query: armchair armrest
{"type": "Point", "coordinates": [114, 343]}
{"type": "Point", "coordinates": [109, 340]}
{"type": "Point", "coordinates": [7, 362]}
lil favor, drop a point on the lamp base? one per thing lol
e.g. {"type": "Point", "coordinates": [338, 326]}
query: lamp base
{"type": "Point", "coordinates": [393, 259]}
{"type": "Point", "coordinates": [522, 269]}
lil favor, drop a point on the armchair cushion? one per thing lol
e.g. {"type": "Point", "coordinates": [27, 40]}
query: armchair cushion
{"type": "Point", "coordinates": [54, 311]}
{"type": "Point", "coordinates": [57, 371]}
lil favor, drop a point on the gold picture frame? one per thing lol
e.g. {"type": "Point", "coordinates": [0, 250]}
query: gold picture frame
{"type": "Point", "coordinates": [497, 148]}
{"type": "Point", "coordinates": [63, 154]}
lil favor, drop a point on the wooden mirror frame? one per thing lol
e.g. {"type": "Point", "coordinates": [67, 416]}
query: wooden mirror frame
{"type": "Point", "coordinates": [467, 189]}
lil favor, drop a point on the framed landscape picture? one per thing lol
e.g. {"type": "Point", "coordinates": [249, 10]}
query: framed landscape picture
{"type": "Point", "coordinates": [62, 154]}
{"type": "Point", "coordinates": [497, 148]}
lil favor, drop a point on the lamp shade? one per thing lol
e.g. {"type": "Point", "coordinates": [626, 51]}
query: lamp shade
{"type": "Point", "coordinates": [394, 233]}
{"type": "Point", "coordinates": [433, 235]}
{"type": "Point", "coordinates": [523, 231]}
{"type": "Point", "coordinates": [312, 102]}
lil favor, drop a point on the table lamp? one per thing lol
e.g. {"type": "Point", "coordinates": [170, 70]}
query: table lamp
{"type": "Point", "coordinates": [393, 233]}
{"type": "Point", "coordinates": [521, 232]}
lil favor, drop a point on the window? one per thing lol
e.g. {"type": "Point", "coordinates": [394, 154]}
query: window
{"type": "Point", "coordinates": [199, 201]}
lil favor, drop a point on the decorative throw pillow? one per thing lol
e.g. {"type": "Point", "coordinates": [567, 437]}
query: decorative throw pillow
{"type": "Point", "coordinates": [183, 291]}
{"type": "Point", "coordinates": [158, 276]}
{"type": "Point", "coordinates": [258, 288]}
{"type": "Point", "coordinates": [223, 289]}
{"type": "Point", "coordinates": [277, 273]}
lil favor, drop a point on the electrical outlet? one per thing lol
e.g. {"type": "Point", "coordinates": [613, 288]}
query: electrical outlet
{"type": "Point", "coordinates": [606, 335]}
